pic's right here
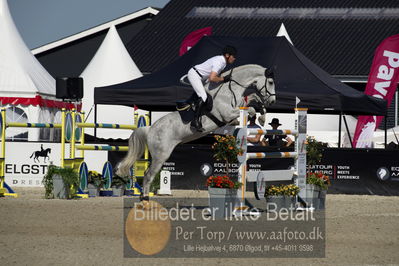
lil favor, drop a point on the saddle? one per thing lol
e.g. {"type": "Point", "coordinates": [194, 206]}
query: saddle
{"type": "Point", "coordinates": [188, 104]}
{"type": "Point", "coordinates": [188, 108]}
{"type": "Point", "coordinates": [192, 102]}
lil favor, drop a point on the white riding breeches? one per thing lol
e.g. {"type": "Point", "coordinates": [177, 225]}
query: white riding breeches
{"type": "Point", "coordinates": [196, 82]}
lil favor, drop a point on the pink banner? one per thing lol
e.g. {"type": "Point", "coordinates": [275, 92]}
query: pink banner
{"type": "Point", "coordinates": [382, 82]}
{"type": "Point", "coordinates": [192, 38]}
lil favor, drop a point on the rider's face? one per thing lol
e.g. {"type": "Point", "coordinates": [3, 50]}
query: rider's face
{"type": "Point", "coordinates": [230, 59]}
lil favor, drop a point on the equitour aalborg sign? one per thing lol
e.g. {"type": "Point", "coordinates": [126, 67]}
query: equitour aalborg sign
{"type": "Point", "coordinates": [26, 163]}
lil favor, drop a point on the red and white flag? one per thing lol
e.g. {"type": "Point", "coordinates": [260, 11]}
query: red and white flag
{"type": "Point", "coordinates": [192, 38]}
{"type": "Point", "coordinates": [382, 82]}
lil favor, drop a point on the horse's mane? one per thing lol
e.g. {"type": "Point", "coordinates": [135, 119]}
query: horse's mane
{"type": "Point", "coordinates": [259, 70]}
{"type": "Point", "coordinates": [244, 67]}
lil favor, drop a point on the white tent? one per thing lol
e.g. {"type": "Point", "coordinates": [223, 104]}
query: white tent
{"type": "Point", "coordinates": [283, 32]}
{"type": "Point", "coordinates": [27, 90]}
{"type": "Point", "coordinates": [110, 65]}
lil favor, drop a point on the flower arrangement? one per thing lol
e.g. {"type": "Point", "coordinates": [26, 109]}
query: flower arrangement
{"type": "Point", "coordinates": [282, 190]}
{"type": "Point", "coordinates": [314, 150]}
{"type": "Point", "coordinates": [318, 179]}
{"type": "Point", "coordinates": [96, 179]}
{"type": "Point", "coordinates": [225, 149]}
{"type": "Point", "coordinates": [119, 181]}
{"type": "Point", "coordinates": [222, 182]}
{"type": "Point", "coordinates": [69, 177]}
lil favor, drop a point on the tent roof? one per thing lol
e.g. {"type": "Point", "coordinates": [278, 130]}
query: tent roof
{"type": "Point", "coordinates": [21, 75]}
{"type": "Point", "coordinates": [111, 64]}
{"type": "Point", "coordinates": [339, 36]}
{"type": "Point", "coordinates": [295, 76]}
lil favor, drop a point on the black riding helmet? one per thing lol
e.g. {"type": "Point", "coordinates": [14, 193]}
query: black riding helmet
{"type": "Point", "coordinates": [231, 50]}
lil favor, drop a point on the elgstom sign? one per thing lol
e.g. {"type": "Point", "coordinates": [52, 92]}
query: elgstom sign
{"type": "Point", "coordinates": [27, 162]}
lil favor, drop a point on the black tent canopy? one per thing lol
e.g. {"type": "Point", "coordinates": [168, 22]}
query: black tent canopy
{"type": "Point", "coordinates": [295, 76]}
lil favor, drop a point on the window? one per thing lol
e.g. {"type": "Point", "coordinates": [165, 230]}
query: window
{"type": "Point", "coordinates": [18, 115]}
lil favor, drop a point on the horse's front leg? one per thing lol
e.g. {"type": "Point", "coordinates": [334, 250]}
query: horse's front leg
{"type": "Point", "coordinates": [251, 111]}
{"type": "Point", "coordinates": [229, 115]}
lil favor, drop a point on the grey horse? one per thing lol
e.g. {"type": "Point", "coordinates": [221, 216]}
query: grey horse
{"type": "Point", "coordinates": [249, 84]}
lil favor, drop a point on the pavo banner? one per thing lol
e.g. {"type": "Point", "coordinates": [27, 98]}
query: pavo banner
{"type": "Point", "coordinates": [382, 82]}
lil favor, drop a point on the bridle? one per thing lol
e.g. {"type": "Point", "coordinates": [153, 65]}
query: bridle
{"type": "Point", "coordinates": [264, 99]}
{"type": "Point", "coordinates": [268, 93]}
{"type": "Point", "coordinates": [258, 92]}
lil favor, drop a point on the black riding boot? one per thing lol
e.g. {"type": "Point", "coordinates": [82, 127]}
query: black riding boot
{"type": "Point", "coordinates": [196, 123]}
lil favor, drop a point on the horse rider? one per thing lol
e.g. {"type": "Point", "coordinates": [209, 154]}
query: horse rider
{"type": "Point", "coordinates": [209, 70]}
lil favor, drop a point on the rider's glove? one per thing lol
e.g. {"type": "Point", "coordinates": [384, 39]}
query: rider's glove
{"type": "Point", "coordinates": [227, 78]}
{"type": "Point", "coordinates": [269, 73]}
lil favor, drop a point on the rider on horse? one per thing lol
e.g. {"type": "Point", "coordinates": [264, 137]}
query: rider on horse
{"type": "Point", "coordinates": [209, 70]}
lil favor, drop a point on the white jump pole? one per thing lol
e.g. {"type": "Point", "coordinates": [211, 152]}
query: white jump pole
{"type": "Point", "coordinates": [300, 148]}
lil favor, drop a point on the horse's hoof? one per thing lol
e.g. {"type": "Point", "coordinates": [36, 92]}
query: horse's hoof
{"type": "Point", "coordinates": [144, 198]}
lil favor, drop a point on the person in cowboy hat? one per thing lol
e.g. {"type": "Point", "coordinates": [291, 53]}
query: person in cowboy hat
{"type": "Point", "coordinates": [276, 140]}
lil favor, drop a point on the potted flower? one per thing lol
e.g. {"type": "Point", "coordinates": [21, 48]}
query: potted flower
{"type": "Point", "coordinates": [225, 149]}
{"type": "Point", "coordinates": [118, 185]}
{"type": "Point", "coordinates": [222, 194]}
{"type": "Point", "coordinates": [222, 190]}
{"type": "Point", "coordinates": [316, 188]}
{"type": "Point", "coordinates": [60, 182]}
{"type": "Point", "coordinates": [281, 196]}
{"type": "Point", "coordinates": [94, 183]}
{"type": "Point", "coordinates": [314, 150]}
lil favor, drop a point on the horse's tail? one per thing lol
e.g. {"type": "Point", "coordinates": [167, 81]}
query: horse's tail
{"type": "Point", "coordinates": [32, 155]}
{"type": "Point", "coordinates": [137, 143]}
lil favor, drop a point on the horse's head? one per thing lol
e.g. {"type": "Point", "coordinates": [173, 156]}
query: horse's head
{"type": "Point", "coordinates": [263, 92]}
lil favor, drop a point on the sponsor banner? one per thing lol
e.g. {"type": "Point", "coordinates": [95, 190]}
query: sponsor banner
{"type": "Point", "coordinates": [382, 83]}
{"type": "Point", "coordinates": [352, 171]}
{"type": "Point", "coordinates": [360, 171]}
{"type": "Point", "coordinates": [191, 165]}
{"type": "Point", "coordinates": [27, 162]}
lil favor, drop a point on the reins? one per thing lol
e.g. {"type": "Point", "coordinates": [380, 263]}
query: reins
{"type": "Point", "coordinates": [258, 92]}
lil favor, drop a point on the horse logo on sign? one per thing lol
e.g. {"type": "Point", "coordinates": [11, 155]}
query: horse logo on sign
{"type": "Point", "coordinates": [42, 153]}
{"type": "Point", "coordinates": [383, 173]}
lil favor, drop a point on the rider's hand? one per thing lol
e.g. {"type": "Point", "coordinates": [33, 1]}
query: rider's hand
{"type": "Point", "coordinates": [269, 73]}
{"type": "Point", "coordinates": [227, 78]}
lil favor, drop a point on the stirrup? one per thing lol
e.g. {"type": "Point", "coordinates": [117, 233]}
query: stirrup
{"type": "Point", "coordinates": [183, 106]}
{"type": "Point", "coordinates": [201, 129]}
{"type": "Point", "coordinates": [197, 126]}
